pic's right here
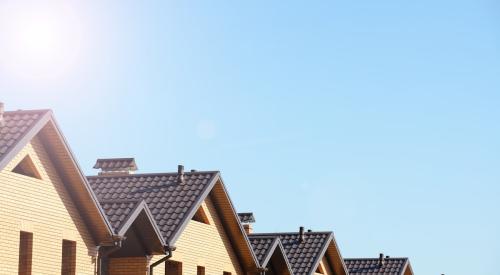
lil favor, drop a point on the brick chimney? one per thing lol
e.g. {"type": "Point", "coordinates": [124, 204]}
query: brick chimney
{"type": "Point", "coordinates": [116, 166]}
{"type": "Point", "coordinates": [247, 219]}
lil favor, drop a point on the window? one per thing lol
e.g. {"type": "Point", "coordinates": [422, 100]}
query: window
{"type": "Point", "coordinates": [25, 253]}
{"type": "Point", "coordinates": [68, 263]}
{"type": "Point", "coordinates": [27, 167]}
{"type": "Point", "coordinates": [201, 216]}
{"type": "Point", "coordinates": [200, 270]}
{"type": "Point", "coordinates": [173, 268]}
{"type": "Point", "coordinates": [226, 273]}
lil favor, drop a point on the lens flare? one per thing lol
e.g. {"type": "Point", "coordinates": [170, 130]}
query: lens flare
{"type": "Point", "coordinates": [38, 41]}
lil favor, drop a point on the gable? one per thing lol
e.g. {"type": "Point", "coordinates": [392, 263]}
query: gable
{"type": "Point", "coordinates": [42, 206]}
{"type": "Point", "coordinates": [19, 130]}
{"type": "Point", "coordinates": [207, 245]}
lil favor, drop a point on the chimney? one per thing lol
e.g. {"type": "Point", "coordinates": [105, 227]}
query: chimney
{"type": "Point", "coordinates": [180, 173]}
{"type": "Point", "coordinates": [116, 166]}
{"type": "Point", "coordinates": [2, 122]}
{"type": "Point", "coordinates": [381, 259]}
{"type": "Point", "coordinates": [301, 234]}
{"type": "Point", "coordinates": [248, 228]}
{"type": "Point", "coordinates": [247, 219]}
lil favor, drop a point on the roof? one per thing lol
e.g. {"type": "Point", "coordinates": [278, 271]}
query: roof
{"type": "Point", "coordinates": [173, 203]}
{"type": "Point", "coordinates": [246, 217]}
{"type": "Point", "coordinates": [19, 128]}
{"type": "Point", "coordinates": [124, 213]}
{"type": "Point", "coordinates": [304, 257]}
{"type": "Point", "coordinates": [264, 248]}
{"type": "Point", "coordinates": [115, 163]}
{"type": "Point", "coordinates": [16, 125]}
{"type": "Point", "coordinates": [370, 266]}
{"type": "Point", "coordinates": [170, 202]}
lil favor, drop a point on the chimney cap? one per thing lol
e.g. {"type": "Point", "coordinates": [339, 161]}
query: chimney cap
{"type": "Point", "coordinates": [246, 217]}
{"type": "Point", "coordinates": [116, 165]}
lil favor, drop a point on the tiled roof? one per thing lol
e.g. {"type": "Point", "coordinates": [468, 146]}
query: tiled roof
{"type": "Point", "coordinates": [116, 163]}
{"type": "Point", "coordinates": [303, 256]}
{"type": "Point", "coordinates": [262, 246]}
{"type": "Point", "coordinates": [370, 266]}
{"type": "Point", "coordinates": [118, 211]}
{"type": "Point", "coordinates": [16, 125]}
{"type": "Point", "coordinates": [170, 202]}
{"type": "Point", "coordinates": [246, 217]}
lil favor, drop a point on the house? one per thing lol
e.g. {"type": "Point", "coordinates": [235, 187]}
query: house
{"type": "Point", "coordinates": [307, 253]}
{"type": "Point", "coordinates": [379, 266]}
{"type": "Point", "coordinates": [51, 221]}
{"type": "Point", "coordinates": [56, 220]}
{"type": "Point", "coordinates": [195, 219]}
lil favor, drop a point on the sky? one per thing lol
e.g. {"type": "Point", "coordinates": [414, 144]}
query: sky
{"type": "Point", "coordinates": [377, 120]}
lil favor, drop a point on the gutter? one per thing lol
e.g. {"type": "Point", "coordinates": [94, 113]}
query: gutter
{"type": "Point", "coordinates": [168, 256]}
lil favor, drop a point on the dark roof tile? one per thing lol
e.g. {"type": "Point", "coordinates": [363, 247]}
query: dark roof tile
{"type": "Point", "coordinates": [370, 266]}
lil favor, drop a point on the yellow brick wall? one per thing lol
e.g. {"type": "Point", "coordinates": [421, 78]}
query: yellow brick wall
{"type": "Point", "coordinates": [44, 208]}
{"type": "Point", "coordinates": [204, 245]}
{"type": "Point", "coordinates": [128, 266]}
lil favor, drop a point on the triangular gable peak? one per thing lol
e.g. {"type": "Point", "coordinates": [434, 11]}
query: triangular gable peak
{"type": "Point", "coordinates": [174, 199]}
{"type": "Point", "coordinates": [17, 130]}
{"type": "Point", "coordinates": [271, 254]}
{"type": "Point", "coordinates": [308, 251]}
{"type": "Point", "coordinates": [382, 265]}
{"type": "Point", "coordinates": [132, 221]}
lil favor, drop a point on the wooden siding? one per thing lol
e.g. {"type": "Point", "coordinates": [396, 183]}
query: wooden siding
{"type": "Point", "coordinates": [43, 207]}
{"type": "Point", "coordinates": [204, 245]}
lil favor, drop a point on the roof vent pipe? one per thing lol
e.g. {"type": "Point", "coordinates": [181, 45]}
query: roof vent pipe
{"type": "Point", "coordinates": [309, 230]}
{"type": "Point", "coordinates": [180, 173]}
{"type": "Point", "coordinates": [2, 122]}
{"type": "Point", "coordinates": [301, 234]}
{"type": "Point", "coordinates": [381, 259]}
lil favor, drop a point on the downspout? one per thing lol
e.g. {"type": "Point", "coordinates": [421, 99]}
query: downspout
{"type": "Point", "coordinates": [168, 256]}
{"type": "Point", "coordinates": [262, 270]}
{"type": "Point", "coordinates": [102, 257]}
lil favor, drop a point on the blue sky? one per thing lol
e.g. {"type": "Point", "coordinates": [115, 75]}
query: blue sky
{"type": "Point", "coordinates": [375, 119]}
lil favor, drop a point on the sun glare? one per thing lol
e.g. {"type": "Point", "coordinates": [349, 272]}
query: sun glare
{"type": "Point", "coordinates": [38, 41]}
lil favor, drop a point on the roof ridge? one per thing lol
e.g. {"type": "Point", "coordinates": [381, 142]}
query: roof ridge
{"type": "Point", "coordinates": [390, 258]}
{"type": "Point", "coordinates": [290, 233]}
{"type": "Point", "coordinates": [28, 111]}
{"type": "Point", "coordinates": [150, 174]}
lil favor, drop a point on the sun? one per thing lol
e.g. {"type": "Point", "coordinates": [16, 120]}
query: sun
{"type": "Point", "coordinates": [38, 41]}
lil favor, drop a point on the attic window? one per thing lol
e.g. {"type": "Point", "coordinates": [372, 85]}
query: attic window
{"type": "Point", "coordinates": [320, 269]}
{"type": "Point", "coordinates": [27, 167]}
{"type": "Point", "coordinates": [201, 216]}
